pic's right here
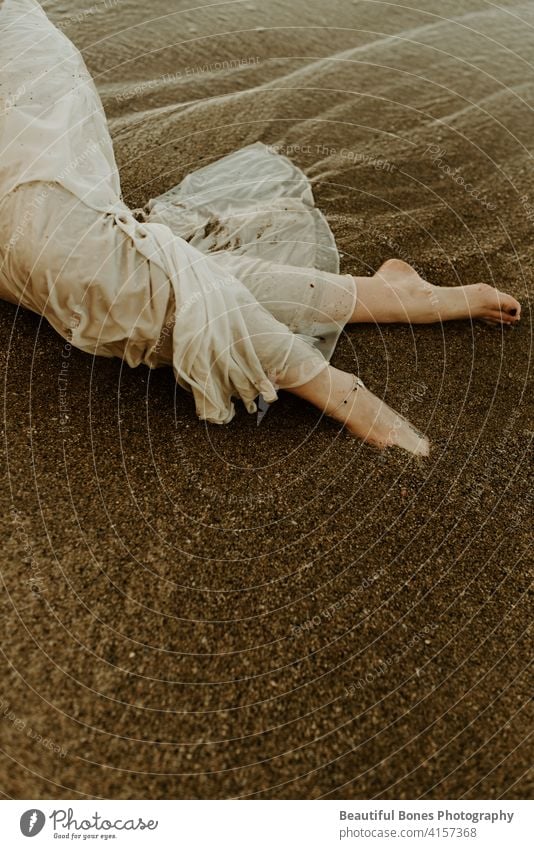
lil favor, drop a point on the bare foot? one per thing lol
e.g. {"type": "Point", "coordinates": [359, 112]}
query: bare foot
{"type": "Point", "coordinates": [342, 397]}
{"type": "Point", "coordinates": [367, 417]}
{"type": "Point", "coordinates": [397, 293]}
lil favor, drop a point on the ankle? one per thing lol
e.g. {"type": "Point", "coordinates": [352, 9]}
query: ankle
{"type": "Point", "coordinates": [340, 410]}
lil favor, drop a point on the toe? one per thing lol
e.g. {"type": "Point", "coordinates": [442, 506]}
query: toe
{"type": "Point", "coordinates": [509, 306]}
{"type": "Point", "coordinates": [497, 305]}
{"type": "Point", "coordinates": [497, 318]}
{"type": "Point", "coordinates": [422, 449]}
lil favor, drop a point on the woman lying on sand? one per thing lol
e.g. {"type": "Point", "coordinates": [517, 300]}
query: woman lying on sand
{"type": "Point", "coordinates": [230, 277]}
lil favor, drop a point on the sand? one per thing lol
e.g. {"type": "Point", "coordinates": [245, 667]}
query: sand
{"type": "Point", "coordinates": [278, 611]}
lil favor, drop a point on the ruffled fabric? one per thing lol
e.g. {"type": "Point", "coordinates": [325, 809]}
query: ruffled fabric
{"type": "Point", "coordinates": [255, 210]}
{"type": "Point", "coordinates": [180, 287]}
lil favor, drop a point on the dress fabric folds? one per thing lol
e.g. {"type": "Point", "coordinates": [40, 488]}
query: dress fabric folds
{"type": "Point", "coordinates": [229, 277]}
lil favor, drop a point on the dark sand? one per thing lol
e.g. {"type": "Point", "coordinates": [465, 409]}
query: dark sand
{"type": "Point", "coordinates": [277, 611]}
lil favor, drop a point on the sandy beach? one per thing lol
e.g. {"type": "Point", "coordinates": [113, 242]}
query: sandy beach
{"type": "Point", "coordinates": [278, 611]}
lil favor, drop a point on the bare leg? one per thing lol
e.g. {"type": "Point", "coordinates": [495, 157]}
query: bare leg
{"type": "Point", "coordinates": [397, 293]}
{"type": "Point", "coordinates": [362, 413]}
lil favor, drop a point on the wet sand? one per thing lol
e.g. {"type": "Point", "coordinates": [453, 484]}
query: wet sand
{"type": "Point", "coordinates": [278, 611]}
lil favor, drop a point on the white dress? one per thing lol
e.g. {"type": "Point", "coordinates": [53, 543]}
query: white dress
{"type": "Point", "coordinates": [230, 277]}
